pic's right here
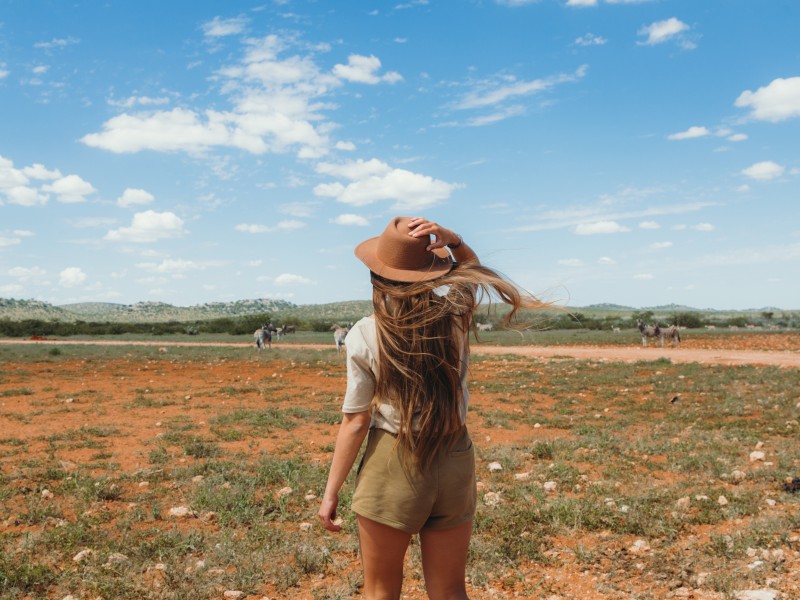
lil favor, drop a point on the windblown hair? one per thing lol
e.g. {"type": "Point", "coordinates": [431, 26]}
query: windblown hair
{"type": "Point", "coordinates": [421, 328]}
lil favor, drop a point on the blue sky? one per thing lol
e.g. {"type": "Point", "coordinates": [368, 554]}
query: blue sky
{"type": "Point", "coordinates": [633, 152]}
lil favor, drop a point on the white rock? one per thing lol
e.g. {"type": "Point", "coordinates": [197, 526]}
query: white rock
{"type": "Point", "coordinates": [180, 511]}
{"type": "Point", "coordinates": [284, 491]}
{"type": "Point", "coordinates": [233, 594]}
{"type": "Point", "coordinates": [683, 503]}
{"type": "Point", "coordinates": [82, 555]}
{"type": "Point", "coordinates": [550, 486]}
{"type": "Point", "coordinates": [47, 494]}
{"type": "Point", "coordinates": [757, 455]}
{"type": "Point", "coordinates": [638, 547]}
{"type": "Point", "coordinates": [305, 526]}
{"type": "Point", "coordinates": [522, 476]}
{"type": "Point", "coordinates": [491, 498]}
{"type": "Point", "coordinates": [117, 557]}
{"type": "Point", "coordinates": [770, 502]}
{"type": "Point", "coordinates": [756, 595]}
{"type": "Point", "coordinates": [738, 476]}
{"type": "Point", "coordinates": [722, 501]}
{"type": "Point", "coordinates": [495, 466]}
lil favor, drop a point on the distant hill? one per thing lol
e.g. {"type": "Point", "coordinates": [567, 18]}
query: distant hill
{"type": "Point", "coordinates": [152, 312]}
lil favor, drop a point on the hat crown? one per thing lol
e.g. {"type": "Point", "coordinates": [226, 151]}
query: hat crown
{"type": "Point", "coordinates": [398, 256]}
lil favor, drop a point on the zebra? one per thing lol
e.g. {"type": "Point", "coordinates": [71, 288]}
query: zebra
{"type": "Point", "coordinates": [339, 333]}
{"type": "Point", "coordinates": [649, 331]}
{"type": "Point", "coordinates": [263, 336]}
{"type": "Point", "coordinates": [671, 333]}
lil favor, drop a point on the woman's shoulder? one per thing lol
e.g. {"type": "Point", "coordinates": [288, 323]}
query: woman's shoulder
{"type": "Point", "coordinates": [363, 328]}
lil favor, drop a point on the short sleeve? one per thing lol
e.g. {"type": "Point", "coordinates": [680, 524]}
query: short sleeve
{"type": "Point", "coordinates": [360, 375]}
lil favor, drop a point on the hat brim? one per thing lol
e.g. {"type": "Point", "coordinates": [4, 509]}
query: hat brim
{"type": "Point", "coordinates": [440, 264]}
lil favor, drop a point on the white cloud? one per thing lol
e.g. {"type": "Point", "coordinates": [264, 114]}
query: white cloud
{"type": "Point", "coordinates": [149, 226]}
{"type": "Point", "coordinates": [291, 279]}
{"type": "Point", "coordinates": [737, 137]}
{"type": "Point", "coordinates": [132, 101]}
{"type": "Point", "coordinates": [70, 189]}
{"type": "Point", "coordinates": [5, 242]}
{"type": "Point", "coordinates": [649, 225]}
{"type": "Point", "coordinates": [25, 196]}
{"type": "Point", "coordinates": [26, 274]}
{"type": "Point", "coordinates": [581, 3]}
{"type": "Point", "coordinates": [644, 276]}
{"type": "Point", "coordinates": [591, 39]}
{"type": "Point", "coordinates": [40, 69]}
{"type": "Point", "coordinates": [764, 170]}
{"type": "Point", "coordinates": [177, 266]}
{"type": "Point", "coordinates": [606, 260]}
{"type": "Point", "coordinates": [37, 171]}
{"type": "Point", "coordinates": [350, 219]}
{"type": "Point", "coordinates": [9, 175]}
{"type": "Point", "coordinates": [372, 181]}
{"type": "Point", "coordinates": [778, 101]}
{"type": "Point", "coordinates": [600, 227]}
{"type": "Point", "coordinates": [570, 262]}
{"type": "Point", "coordinates": [289, 225]}
{"type": "Point", "coordinates": [494, 92]}
{"type": "Point", "coordinates": [134, 197]}
{"type": "Point", "coordinates": [516, 3]}
{"type": "Point", "coordinates": [346, 146]}
{"type": "Point", "coordinates": [71, 277]}
{"type": "Point", "coordinates": [704, 227]}
{"type": "Point", "coordinates": [4, 72]}
{"type": "Point", "coordinates": [363, 69]}
{"type": "Point", "coordinates": [692, 132]}
{"type": "Point", "coordinates": [57, 43]}
{"type": "Point", "coordinates": [660, 245]}
{"type": "Point", "coordinates": [218, 27]}
{"type": "Point", "coordinates": [662, 31]}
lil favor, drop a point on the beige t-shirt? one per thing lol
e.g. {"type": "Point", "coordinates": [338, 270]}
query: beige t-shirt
{"type": "Point", "coordinates": [362, 373]}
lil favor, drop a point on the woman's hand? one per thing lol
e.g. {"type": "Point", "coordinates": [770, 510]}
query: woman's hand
{"type": "Point", "coordinates": [327, 513]}
{"type": "Point", "coordinates": [419, 226]}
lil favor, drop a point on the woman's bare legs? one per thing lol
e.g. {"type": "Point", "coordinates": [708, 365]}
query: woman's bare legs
{"type": "Point", "coordinates": [444, 561]}
{"type": "Point", "coordinates": [383, 549]}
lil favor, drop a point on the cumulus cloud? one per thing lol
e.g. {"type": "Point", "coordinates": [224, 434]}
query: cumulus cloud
{"type": "Point", "coordinates": [292, 279]}
{"type": "Point", "coordinates": [71, 189]}
{"type": "Point", "coordinates": [662, 31]}
{"type": "Point", "coordinates": [764, 170]}
{"type": "Point", "coordinates": [777, 101]}
{"type": "Point", "coordinates": [72, 277]}
{"type": "Point", "coordinates": [176, 266]}
{"type": "Point", "coordinates": [4, 72]}
{"type": "Point", "coordinates": [704, 227]}
{"type": "Point", "coordinates": [149, 226]}
{"type": "Point", "coordinates": [57, 43]}
{"type": "Point", "coordinates": [606, 260]}
{"type": "Point", "coordinates": [25, 196]}
{"type": "Point", "coordinates": [38, 171]}
{"type": "Point", "coordinates": [581, 2]}
{"type": "Point", "coordinates": [737, 137]}
{"type": "Point", "coordinates": [372, 181]}
{"type": "Point", "coordinates": [350, 219]}
{"type": "Point", "coordinates": [132, 101]}
{"type": "Point", "coordinates": [134, 197]}
{"type": "Point", "coordinates": [660, 245]}
{"type": "Point", "coordinates": [363, 69]}
{"type": "Point", "coordinates": [692, 132]}
{"type": "Point", "coordinates": [600, 227]}
{"type": "Point", "coordinates": [6, 241]}
{"type": "Point", "coordinates": [649, 225]}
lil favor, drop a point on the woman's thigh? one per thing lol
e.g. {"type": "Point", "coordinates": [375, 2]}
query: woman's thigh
{"type": "Point", "coordinates": [444, 560]}
{"type": "Point", "coordinates": [383, 550]}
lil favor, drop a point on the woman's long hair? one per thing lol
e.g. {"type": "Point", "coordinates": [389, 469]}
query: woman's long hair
{"type": "Point", "coordinates": [422, 329]}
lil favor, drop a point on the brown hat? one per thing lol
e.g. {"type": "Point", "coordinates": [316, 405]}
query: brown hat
{"type": "Point", "coordinates": [398, 256]}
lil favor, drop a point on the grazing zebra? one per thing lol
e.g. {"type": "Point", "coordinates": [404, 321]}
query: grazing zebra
{"type": "Point", "coordinates": [671, 333]}
{"type": "Point", "coordinates": [289, 328]}
{"type": "Point", "coordinates": [263, 336]}
{"type": "Point", "coordinates": [485, 326]}
{"type": "Point", "coordinates": [339, 333]}
{"type": "Point", "coordinates": [649, 331]}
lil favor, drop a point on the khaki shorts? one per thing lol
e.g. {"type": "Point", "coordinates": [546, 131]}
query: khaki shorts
{"type": "Point", "coordinates": [442, 497]}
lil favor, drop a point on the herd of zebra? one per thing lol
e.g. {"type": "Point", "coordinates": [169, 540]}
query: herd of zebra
{"type": "Point", "coordinates": [264, 334]}
{"type": "Point", "coordinates": [671, 333]}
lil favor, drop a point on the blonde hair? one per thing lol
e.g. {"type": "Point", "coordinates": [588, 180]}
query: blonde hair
{"type": "Point", "coordinates": [419, 328]}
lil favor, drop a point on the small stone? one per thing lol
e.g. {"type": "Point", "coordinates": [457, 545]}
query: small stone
{"type": "Point", "coordinates": [683, 503]}
{"type": "Point", "coordinates": [305, 526]}
{"type": "Point", "coordinates": [522, 476]}
{"type": "Point", "coordinates": [756, 595]}
{"type": "Point", "coordinates": [47, 493]}
{"type": "Point", "coordinates": [494, 467]}
{"type": "Point", "coordinates": [491, 498]}
{"type": "Point", "coordinates": [180, 511]}
{"type": "Point", "coordinates": [197, 479]}
{"type": "Point", "coordinates": [117, 557]}
{"type": "Point", "coordinates": [770, 502]}
{"type": "Point", "coordinates": [722, 501]}
{"type": "Point", "coordinates": [284, 491]}
{"type": "Point", "coordinates": [550, 487]}
{"type": "Point", "coordinates": [638, 547]}
{"type": "Point", "coordinates": [757, 455]}
{"type": "Point", "coordinates": [233, 594]}
{"type": "Point", "coordinates": [82, 555]}
{"type": "Point", "coordinates": [739, 476]}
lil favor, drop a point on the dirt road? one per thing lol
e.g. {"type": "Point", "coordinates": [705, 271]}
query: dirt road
{"type": "Point", "coordinates": [723, 356]}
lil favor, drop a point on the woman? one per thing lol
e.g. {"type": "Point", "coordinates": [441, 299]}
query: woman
{"type": "Point", "coordinates": [407, 390]}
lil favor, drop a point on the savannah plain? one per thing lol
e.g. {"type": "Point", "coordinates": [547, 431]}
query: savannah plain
{"type": "Point", "coordinates": [137, 470]}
